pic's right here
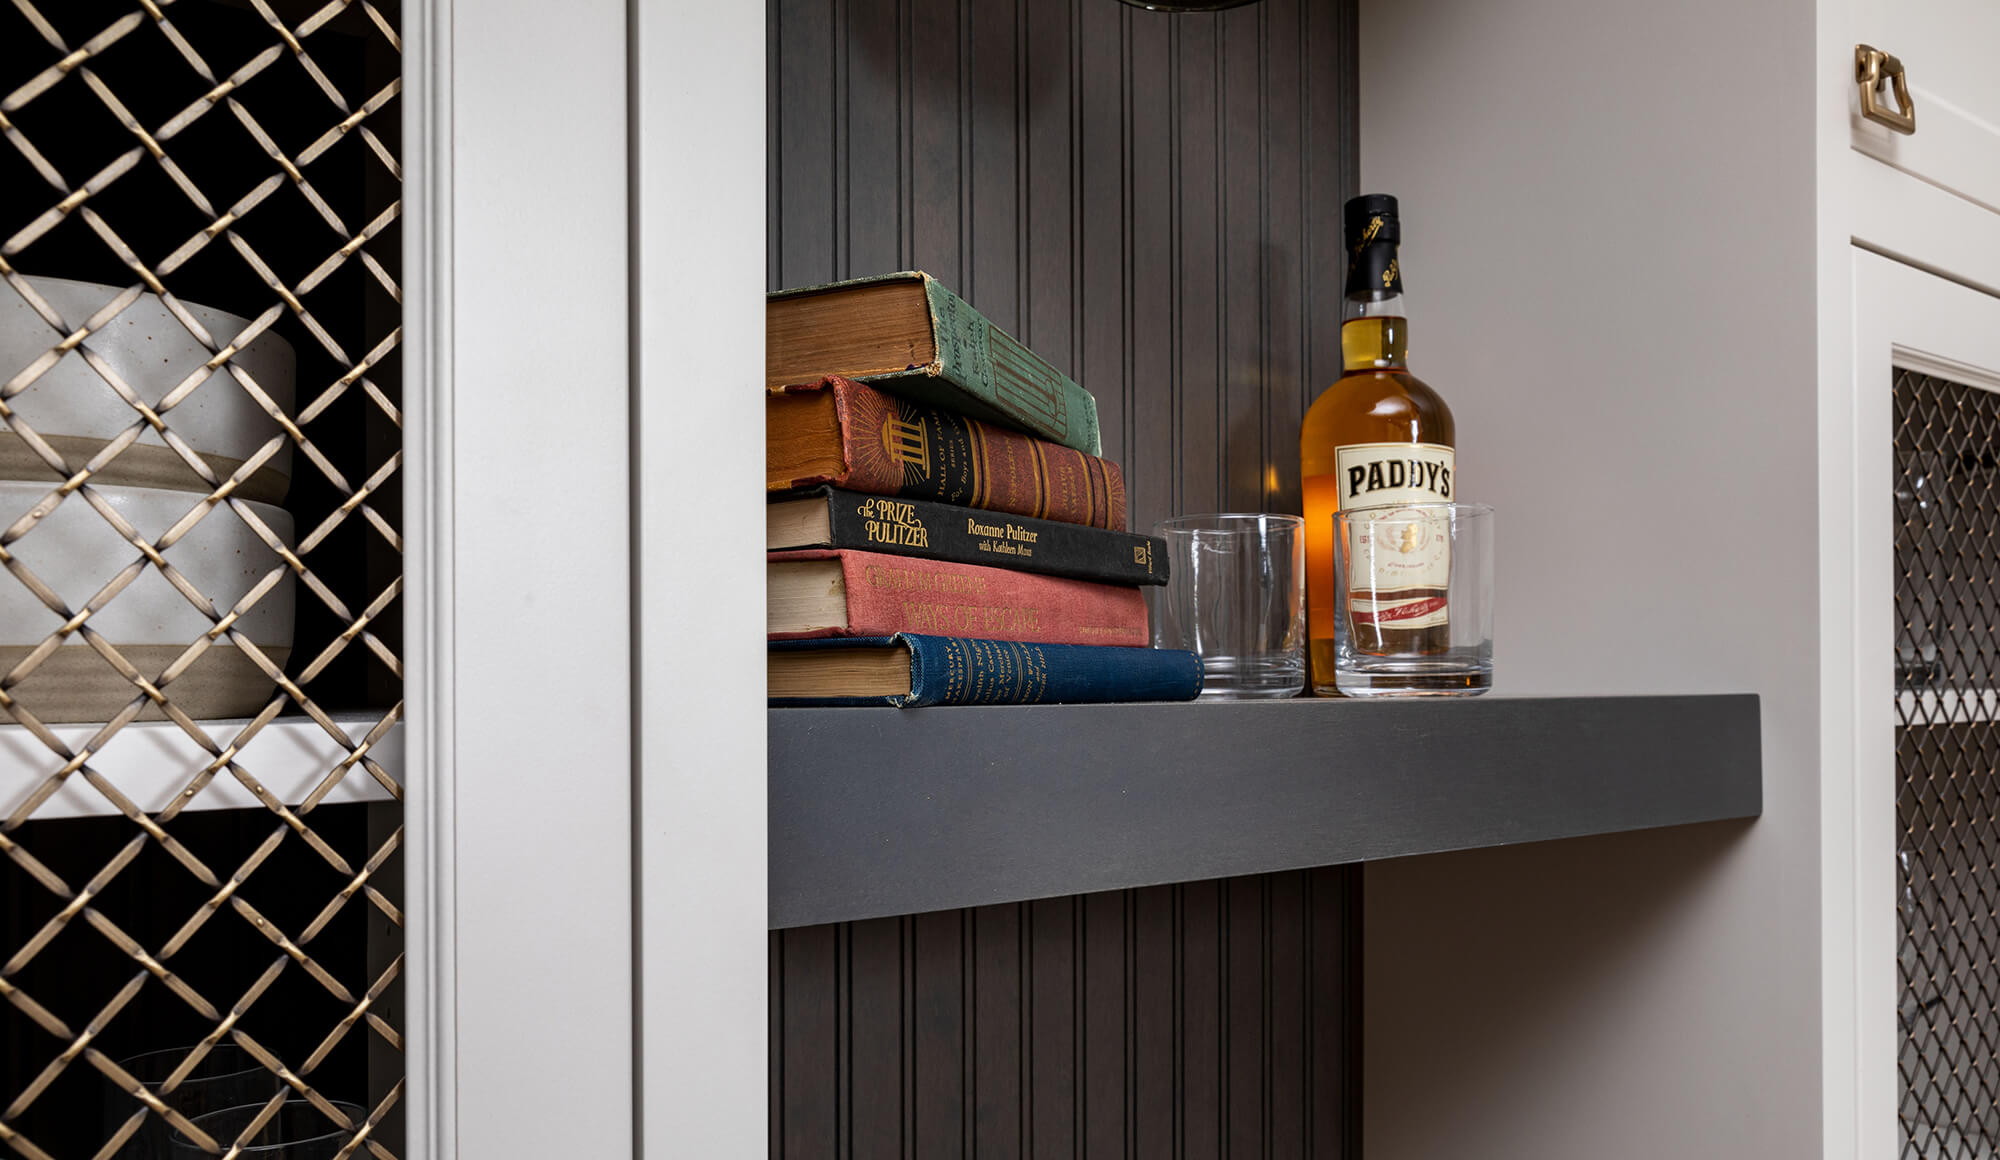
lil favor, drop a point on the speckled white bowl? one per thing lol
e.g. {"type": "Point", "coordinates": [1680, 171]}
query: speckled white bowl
{"type": "Point", "coordinates": [75, 551]}
{"type": "Point", "coordinates": [151, 351]}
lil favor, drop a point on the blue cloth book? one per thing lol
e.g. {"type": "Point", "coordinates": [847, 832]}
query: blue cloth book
{"type": "Point", "coordinates": [909, 670]}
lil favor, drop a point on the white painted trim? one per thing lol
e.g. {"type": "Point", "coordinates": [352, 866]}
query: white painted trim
{"type": "Point", "coordinates": [1871, 739]}
{"type": "Point", "coordinates": [699, 324]}
{"type": "Point", "coordinates": [1917, 223]}
{"type": "Point", "coordinates": [519, 873]}
{"type": "Point", "coordinates": [1925, 363]}
{"type": "Point", "coordinates": [429, 857]}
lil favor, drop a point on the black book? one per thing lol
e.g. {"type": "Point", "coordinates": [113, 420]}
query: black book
{"type": "Point", "coordinates": [828, 517]}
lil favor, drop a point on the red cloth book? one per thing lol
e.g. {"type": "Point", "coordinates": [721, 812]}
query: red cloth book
{"type": "Point", "coordinates": [848, 593]}
{"type": "Point", "coordinates": [840, 432]}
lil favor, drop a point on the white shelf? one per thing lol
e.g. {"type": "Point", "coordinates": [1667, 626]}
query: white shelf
{"type": "Point", "coordinates": [1948, 706]}
{"type": "Point", "coordinates": [150, 762]}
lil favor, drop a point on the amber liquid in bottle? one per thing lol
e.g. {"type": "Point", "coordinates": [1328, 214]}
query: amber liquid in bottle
{"type": "Point", "coordinates": [1376, 402]}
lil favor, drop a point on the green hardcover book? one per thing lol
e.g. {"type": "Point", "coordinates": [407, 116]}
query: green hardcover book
{"type": "Point", "coordinates": [908, 335]}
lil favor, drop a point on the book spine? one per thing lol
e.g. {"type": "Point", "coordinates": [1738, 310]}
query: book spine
{"type": "Point", "coordinates": [935, 531]}
{"type": "Point", "coordinates": [891, 594]}
{"type": "Point", "coordinates": [946, 671]}
{"type": "Point", "coordinates": [895, 447]}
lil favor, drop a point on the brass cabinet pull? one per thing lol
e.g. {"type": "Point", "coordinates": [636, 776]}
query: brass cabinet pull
{"type": "Point", "coordinates": [1872, 66]}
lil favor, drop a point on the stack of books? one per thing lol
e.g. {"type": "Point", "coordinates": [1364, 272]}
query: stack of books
{"type": "Point", "coordinates": [941, 527]}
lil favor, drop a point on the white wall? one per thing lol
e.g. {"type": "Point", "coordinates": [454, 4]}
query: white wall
{"type": "Point", "coordinates": [1609, 221]}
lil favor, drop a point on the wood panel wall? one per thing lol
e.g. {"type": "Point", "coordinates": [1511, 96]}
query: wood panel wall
{"type": "Point", "coordinates": [1212, 1019]}
{"type": "Point", "coordinates": [1151, 201]}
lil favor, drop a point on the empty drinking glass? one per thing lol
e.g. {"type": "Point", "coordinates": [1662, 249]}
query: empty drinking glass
{"type": "Point", "coordinates": [224, 1078]}
{"type": "Point", "coordinates": [1235, 595]}
{"type": "Point", "coordinates": [296, 1131]}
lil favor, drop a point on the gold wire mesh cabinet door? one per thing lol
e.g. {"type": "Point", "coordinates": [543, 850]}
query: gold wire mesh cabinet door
{"type": "Point", "coordinates": [200, 625]}
{"type": "Point", "coordinates": [254, 532]}
{"type": "Point", "coordinates": [1947, 440]}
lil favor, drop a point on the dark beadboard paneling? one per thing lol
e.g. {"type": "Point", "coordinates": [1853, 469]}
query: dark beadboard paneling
{"type": "Point", "coordinates": [1150, 201]}
{"type": "Point", "coordinates": [1211, 1019]}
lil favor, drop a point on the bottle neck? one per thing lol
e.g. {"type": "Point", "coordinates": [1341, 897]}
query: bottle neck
{"type": "Point", "coordinates": [1374, 333]}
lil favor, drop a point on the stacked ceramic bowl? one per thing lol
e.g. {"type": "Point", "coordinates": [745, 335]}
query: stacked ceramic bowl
{"type": "Point", "coordinates": [76, 551]}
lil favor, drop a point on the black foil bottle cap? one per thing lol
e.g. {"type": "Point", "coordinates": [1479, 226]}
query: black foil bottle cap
{"type": "Point", "coordinates": [1373, 230]}
{"type": "Point", "coordinates": [1372, 217]}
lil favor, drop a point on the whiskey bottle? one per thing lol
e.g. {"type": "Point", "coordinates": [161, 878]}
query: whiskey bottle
{"type": "Point", "coordinates": [1377, 436]}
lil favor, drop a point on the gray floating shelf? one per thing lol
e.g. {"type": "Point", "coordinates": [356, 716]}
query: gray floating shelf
{"type": "Point", "coordinates": [879, 811]}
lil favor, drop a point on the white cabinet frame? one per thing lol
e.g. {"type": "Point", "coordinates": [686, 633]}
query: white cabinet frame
{"type": "Point", "coordinates": [698, 327]}
{"type": "Point", "coordinates": [1903, 318]}
{"type": "Point", "coordinates": [1906, 267]}
{"type": "Point", "coordinates": [519, 571]}
{"type": "Point", "coordinates": [428, 879]}
{"type": "Point", "coordinates": [584, 225]}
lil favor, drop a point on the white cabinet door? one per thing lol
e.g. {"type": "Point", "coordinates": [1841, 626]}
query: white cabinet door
{"type": "Point", "coordinates": [1946, 49]}
{"type": "Point", "coordinates": [1911, 504]}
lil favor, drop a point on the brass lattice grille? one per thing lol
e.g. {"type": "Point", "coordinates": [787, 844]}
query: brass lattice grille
{"type": "Point", "coordinates": [222, 173]}
{"type": "Point", "coordinates": [1948, 765]}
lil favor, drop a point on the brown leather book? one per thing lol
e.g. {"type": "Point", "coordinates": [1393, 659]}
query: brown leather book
{"type": "Point", "coordinates": [840, 432]}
